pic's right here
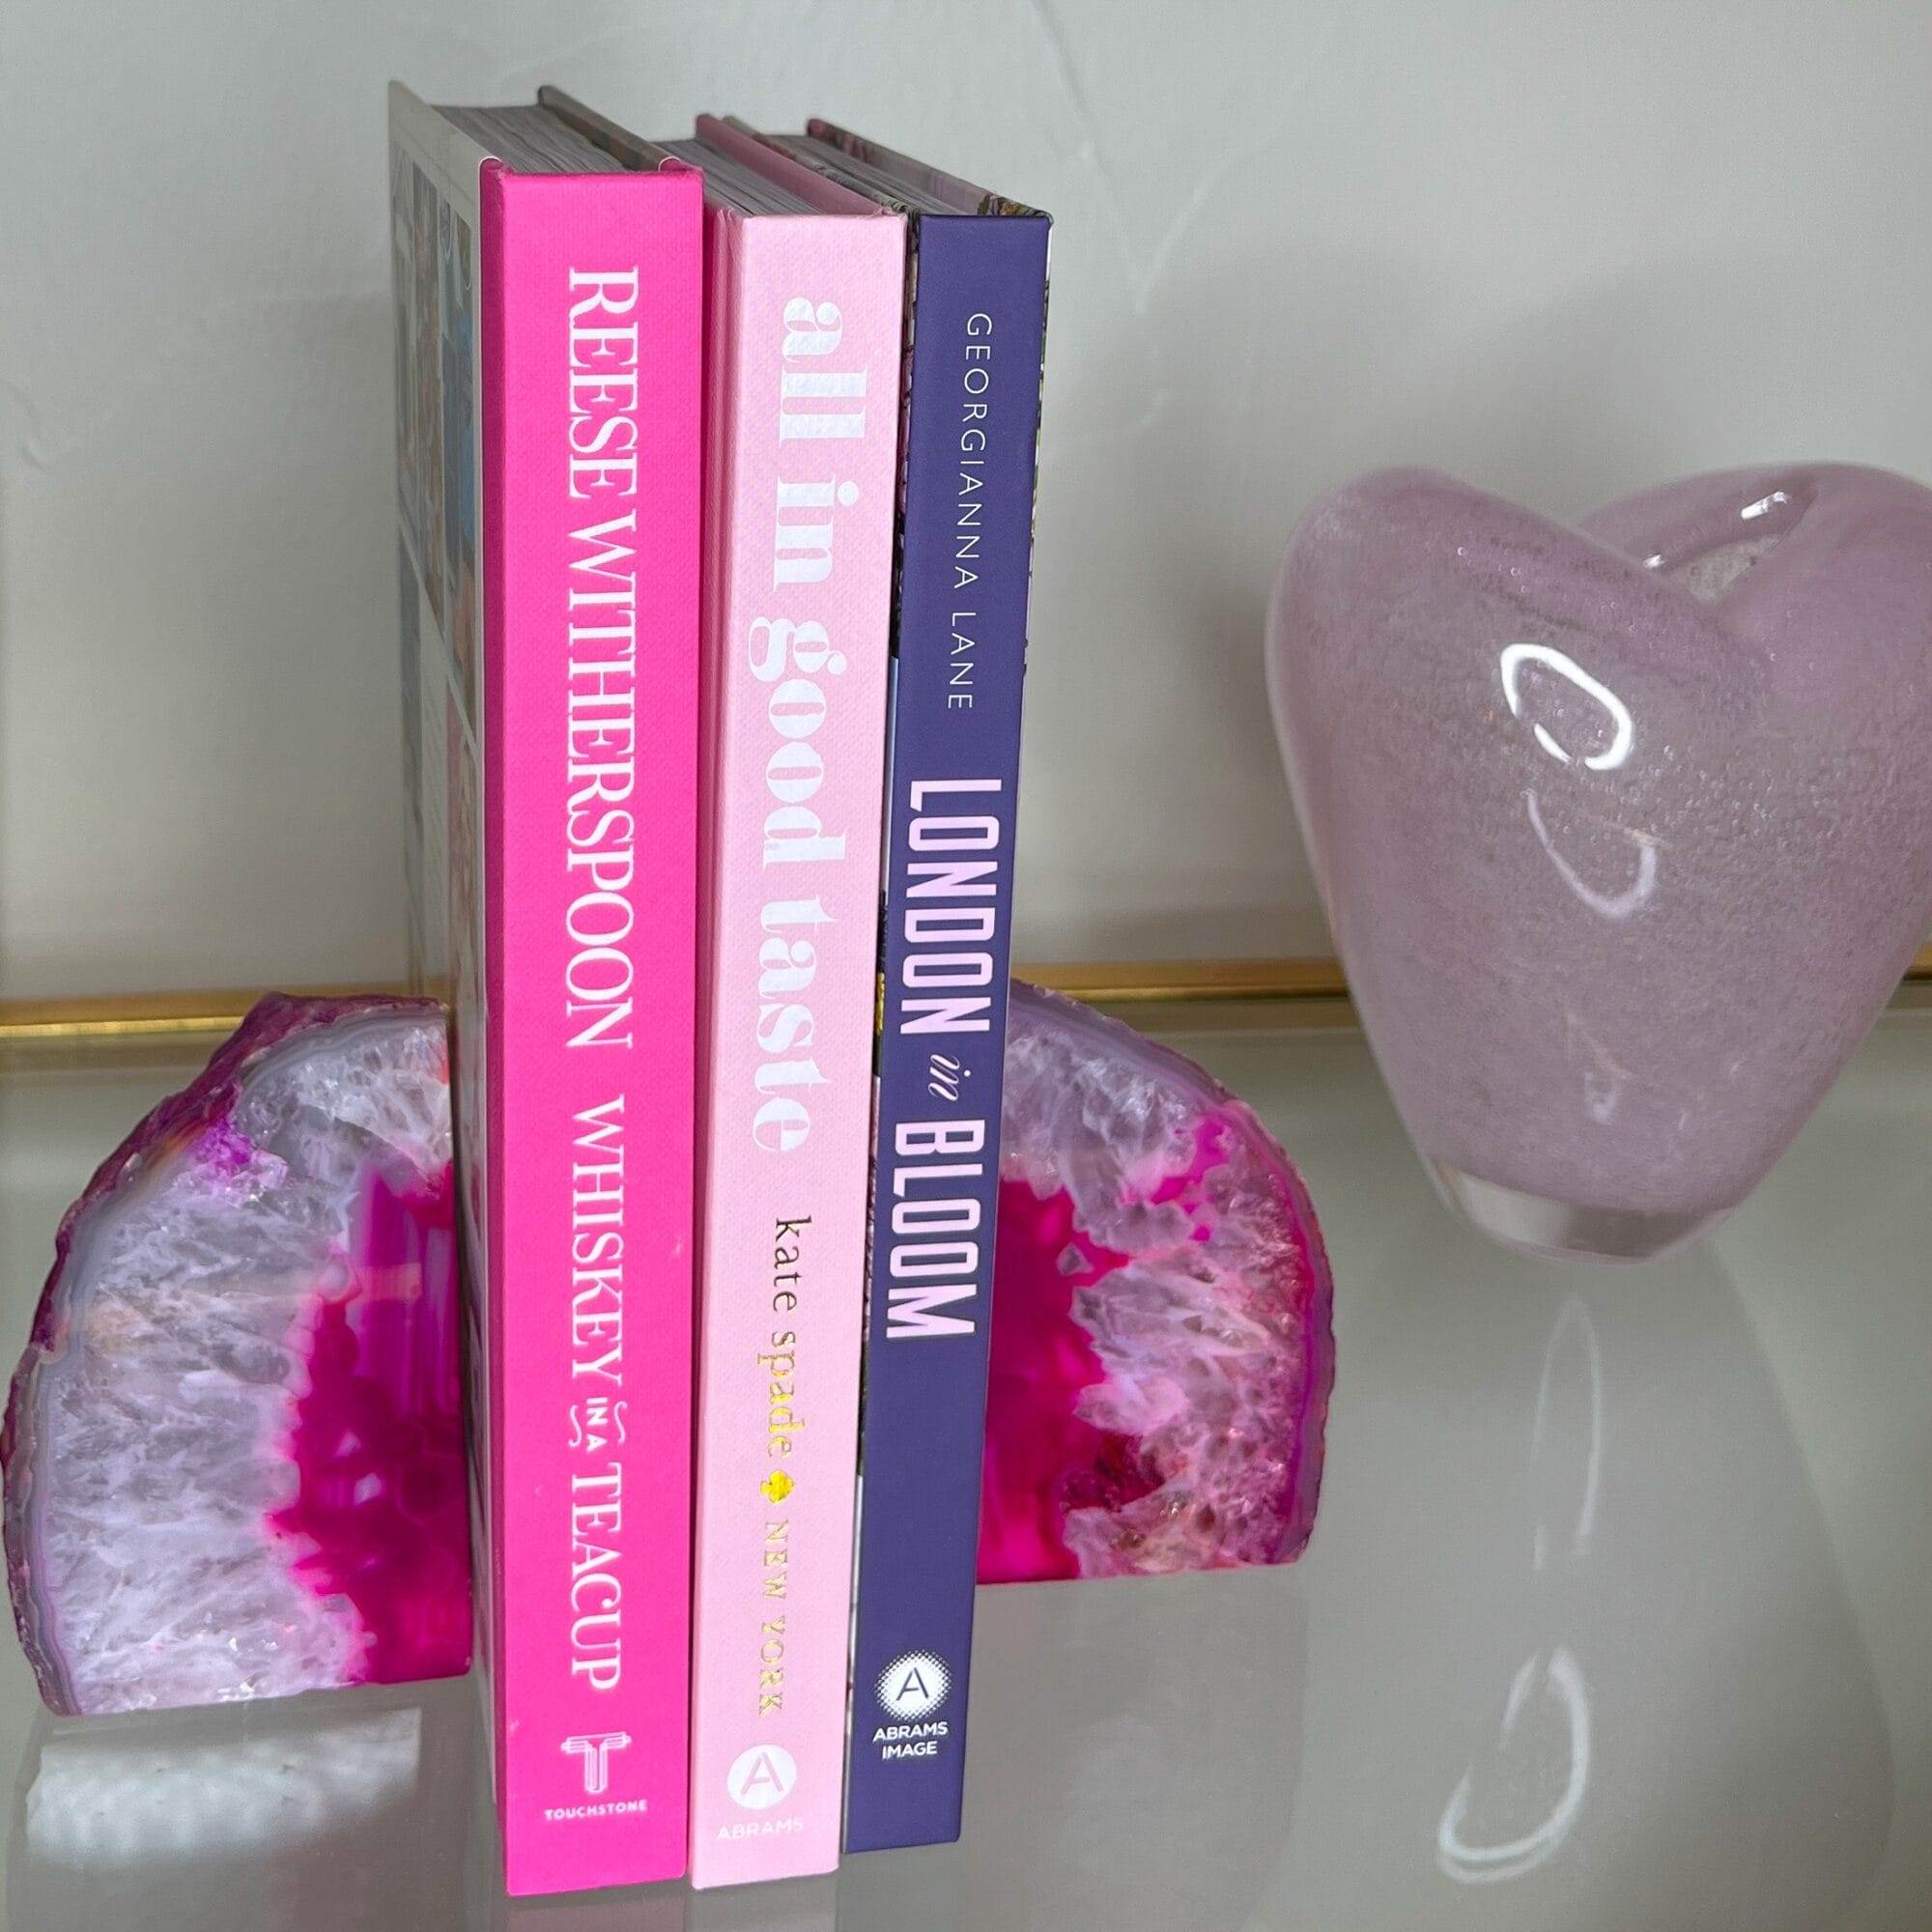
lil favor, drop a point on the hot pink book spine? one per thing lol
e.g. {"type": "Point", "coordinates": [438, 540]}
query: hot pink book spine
{"type": "Point", "coordinates": [805, 348]}
{"type": "Point", "coordinates": [591, 321]}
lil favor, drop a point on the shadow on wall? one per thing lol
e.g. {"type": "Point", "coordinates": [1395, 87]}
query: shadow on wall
{"type": "Point", "coordinates": [242, 624]}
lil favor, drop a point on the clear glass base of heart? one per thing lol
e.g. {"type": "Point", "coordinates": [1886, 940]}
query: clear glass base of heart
{"type": "Point", "coordinates": [1565, 1230]}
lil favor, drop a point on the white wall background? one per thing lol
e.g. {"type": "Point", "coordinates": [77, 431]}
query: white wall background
{"type": "Point", "coordinates": [1563, 249]}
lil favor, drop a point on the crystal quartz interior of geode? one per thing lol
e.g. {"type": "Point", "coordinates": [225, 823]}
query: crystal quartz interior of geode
{"type": "Point", "coordinates": [1624, 831]}
{"type": "Point", "coordinates": [1161, 1351]}
{"type": "Point", "coordinates": [234, 1448]}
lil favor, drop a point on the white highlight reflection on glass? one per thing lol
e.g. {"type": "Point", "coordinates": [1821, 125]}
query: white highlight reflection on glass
{"type": "Point", "coordinates": [1469, 1863]}
{"type": "Point", "coordinates": [1623, 725]}
{"type": "Point", "coordinates": [1573, 1343]}
{"type": "Point", "coordinates": [116, 1799]}
{"type": "Point", "coordinates": [1601, 1090]}
{"type": "Point", "coordinates": [1610, 905]}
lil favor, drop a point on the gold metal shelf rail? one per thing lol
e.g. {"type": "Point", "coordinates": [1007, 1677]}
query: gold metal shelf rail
{"type": "Point", "coordinates": [1183, 992]}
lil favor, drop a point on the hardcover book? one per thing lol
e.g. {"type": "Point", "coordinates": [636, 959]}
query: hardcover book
{"type": "Point", "coordinates": [974, 333]}
{"type": "Point", "coordinates": [804, 281]}
{"type": "Point", "coordinates": [547, 314]}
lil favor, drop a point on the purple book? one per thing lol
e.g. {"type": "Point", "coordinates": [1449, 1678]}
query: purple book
{"type": "Point", "coordinates": [974, 326]}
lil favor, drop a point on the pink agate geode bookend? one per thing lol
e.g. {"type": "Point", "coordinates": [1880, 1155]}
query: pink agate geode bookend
{"type": "Point", "coordinates": [234, 1449]}
{"type": "Point", "coordinates": [1624, 831]}
{"type": "Point", "coordinates": [1162, 1350]}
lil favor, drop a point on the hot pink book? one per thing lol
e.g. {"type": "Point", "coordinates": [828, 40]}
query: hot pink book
{"type": "Point", "coordinates": [548, 359]}
{"type": "Point", "coordinates": [805, 282]}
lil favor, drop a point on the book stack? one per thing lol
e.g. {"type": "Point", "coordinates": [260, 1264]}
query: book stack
{"type": "Point", "coordinates": [715, 460]}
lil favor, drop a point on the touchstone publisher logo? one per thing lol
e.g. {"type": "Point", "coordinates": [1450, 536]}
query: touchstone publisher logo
{"type": "Point", "coordinates": [762, 1777]}
{"type": "Point", "coordinates": [594, 1748]}
{"type": "Point", "coordinates": [914, 1685]}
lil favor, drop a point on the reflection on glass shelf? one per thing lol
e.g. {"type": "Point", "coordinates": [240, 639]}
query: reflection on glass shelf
{"type": "Point", "coordinates": [1652, 1689]}
{"type": "Point", "coordinates": [1566, 1458]}
{"type": "Point", "coordinates": [1613, 1616]}
{"type": "Point", "coordinates": [343, 1810]}
{"type": "Point", "coordinates": [321, 1811]}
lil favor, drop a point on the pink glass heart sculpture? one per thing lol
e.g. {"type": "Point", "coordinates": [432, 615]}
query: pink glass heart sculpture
{"type": "Point", "coordinates": [234, 1447]}
{"type": "Point", "coordinates": [1161, 1352]}
{"type": "Point", "coordinates": [1624, 831]}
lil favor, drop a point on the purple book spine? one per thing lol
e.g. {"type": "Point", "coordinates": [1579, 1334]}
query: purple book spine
{"type": "Point", "coordinates": [959, 658]}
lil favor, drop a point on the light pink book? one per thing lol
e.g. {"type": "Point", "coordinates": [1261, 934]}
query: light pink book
{"type": "Point", "coordinates": [805, 287]}
{"type": "Point", "coordinates": [549, 370]}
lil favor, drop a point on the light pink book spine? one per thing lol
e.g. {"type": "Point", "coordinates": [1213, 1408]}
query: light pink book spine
{"type": "Point", "coordinates": [591, 337]}
{"type": "Point", "coordinates": [804, 388]}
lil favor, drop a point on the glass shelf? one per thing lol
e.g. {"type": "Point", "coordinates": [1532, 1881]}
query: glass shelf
{"type": "Point", "coordinates": [1614, 1615]}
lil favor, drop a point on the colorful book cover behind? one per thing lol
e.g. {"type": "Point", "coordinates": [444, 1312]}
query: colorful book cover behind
{"type": "Point", "coordinates": [959, 654]}
{"type": "Point", "coordinates": [546, 355]}
{"type": "Point", "coordinates": [804, 341]}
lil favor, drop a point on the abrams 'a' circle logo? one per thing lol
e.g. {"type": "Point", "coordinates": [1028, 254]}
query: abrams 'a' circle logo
{"type": "Point", "coordinates": [913, 1685]}
{"type": "Point", "coordinates": [761, 1777]}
